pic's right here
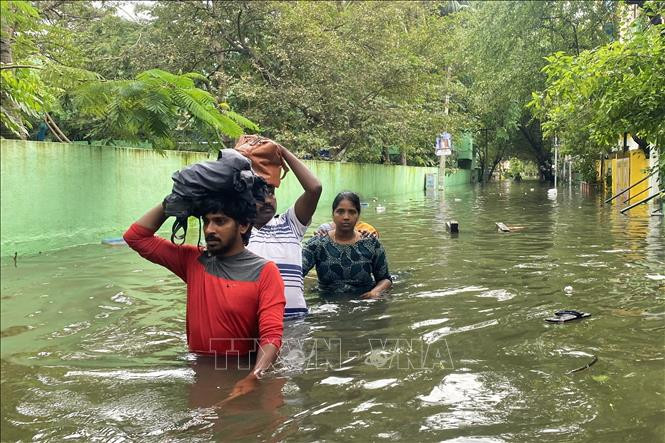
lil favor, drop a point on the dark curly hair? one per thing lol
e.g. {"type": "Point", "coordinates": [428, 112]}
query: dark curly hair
{"type": "Point", "coordinates": [242, 210]}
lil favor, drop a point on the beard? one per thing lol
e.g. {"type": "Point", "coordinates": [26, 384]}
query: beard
{"type": "Point", "coordinates": [217, 246]}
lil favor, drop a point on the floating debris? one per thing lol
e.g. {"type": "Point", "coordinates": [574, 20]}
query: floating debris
{"type": "Point", "coordinates": [586, 366]}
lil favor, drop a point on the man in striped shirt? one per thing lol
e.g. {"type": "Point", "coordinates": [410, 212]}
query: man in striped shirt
{"type": "Point", "coordinates": [278, 238]}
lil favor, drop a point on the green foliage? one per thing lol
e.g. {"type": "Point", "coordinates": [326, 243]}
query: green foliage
{"type": "Point", "coordinates": [23, 99]}
{"type": "Point", "coordinates": [20, 88]}
{"type": "Point", "coordinates": [346, 77]}
{"type": "Point", "coordinates": [155, 107]}
{"type": "Point", "coordinates": [586, 166]}
{"type": "Point", "coordinates": [44, 71]}
{"type": "Point", "coordinates": [499, 52]}
{"type": "Point", "coordinates": [17, 20]}
{"type": "Point", "coordinates": [33, 78]}
{"type": "Point", "coordinates": [522, 168]}
{"type": "Point", "coordinates": [351, 78]}
{"type": "Point", "coordinates": [516, 167]}
{"type": "Point", "coordinates": [368, 78]}
{"type": "Point", "coordinates": [593, 98]}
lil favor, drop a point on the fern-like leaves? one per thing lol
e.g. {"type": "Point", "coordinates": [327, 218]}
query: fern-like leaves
{"type": "Point", "coordinates": [153, 107]}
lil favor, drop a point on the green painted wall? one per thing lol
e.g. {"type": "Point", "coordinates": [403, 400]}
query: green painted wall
{"type": "Point", "coordinates": [55, 195]}
{"type": "Point", "coordinates": [459, 177]}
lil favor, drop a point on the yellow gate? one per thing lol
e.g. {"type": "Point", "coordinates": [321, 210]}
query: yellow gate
{"type": "Point", "coordinates": [621, 175]}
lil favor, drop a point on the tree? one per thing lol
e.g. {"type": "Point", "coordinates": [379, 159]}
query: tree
{"type": "Point", "coordinates": [592, 98]}
{"type": "Point", "coordinates": [34, 68]}
{"type": "Point", "coordinates": [500, 48]}
{"type": "Point", "coordinates": [44, 71]}
{"type": "Point", "coordinates": [157, 106]}
{"type": "Point", "coordinates": [368, 78]}
{"type": "Point", "coordinates": [21, 89]}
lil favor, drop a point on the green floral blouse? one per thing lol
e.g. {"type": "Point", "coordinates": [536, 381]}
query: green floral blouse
{"type": "Point", "coordinates": [351, 269]}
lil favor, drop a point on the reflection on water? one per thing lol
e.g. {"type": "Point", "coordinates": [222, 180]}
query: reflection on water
{"type": "Point", "coordinates": [93, 337]}
{"type": "Point", "coordinates": [468, 402]}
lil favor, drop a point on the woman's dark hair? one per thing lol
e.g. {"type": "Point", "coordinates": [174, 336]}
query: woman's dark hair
{"type": "Point", "coordinates": [242, 210]}
{"type": "Point", "coordinates": [347, 195]}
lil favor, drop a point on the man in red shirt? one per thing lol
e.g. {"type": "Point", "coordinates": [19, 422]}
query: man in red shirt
{"type": "Point", "coordinates": [234, 297]}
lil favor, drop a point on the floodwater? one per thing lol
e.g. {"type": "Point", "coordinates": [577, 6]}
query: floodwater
{"type": "Point", "coordinates": [93, 337]}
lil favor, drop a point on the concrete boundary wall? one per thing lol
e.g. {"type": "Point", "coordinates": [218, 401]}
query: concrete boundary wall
{"type": "Point", "coordinates": [55, 195]}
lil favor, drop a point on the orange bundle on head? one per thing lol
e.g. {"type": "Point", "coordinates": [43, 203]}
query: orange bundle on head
{"type": "Point", "coordinates": [266, 157]}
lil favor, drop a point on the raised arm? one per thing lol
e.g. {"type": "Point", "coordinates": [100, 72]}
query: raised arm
{"type": "Point", "coordinates": [141, 238]}
{"type": "Point", "coordinates": [306, 203]}
{"type": "Point", "coordinates": [153, 219]}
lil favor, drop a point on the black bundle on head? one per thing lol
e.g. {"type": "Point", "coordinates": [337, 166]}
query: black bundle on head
{"type": "Point", "coordinates": [227, 185]}
{"type": "Point", "coordinates": [181, 209]}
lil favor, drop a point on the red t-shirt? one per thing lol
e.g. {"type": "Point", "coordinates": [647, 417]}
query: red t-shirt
{"type": "Point", "coordinates": [234, 304]}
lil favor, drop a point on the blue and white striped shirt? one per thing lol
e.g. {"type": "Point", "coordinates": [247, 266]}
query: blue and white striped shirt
{"type": "Point", "coordinates": [280, 241]}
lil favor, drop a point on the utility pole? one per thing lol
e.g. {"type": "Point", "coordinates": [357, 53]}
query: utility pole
{"type": "Point", "coordinates": [442, 168]}
{"type": "Point", "coordinates": [442, 159]}
{"type": "Point", "coordinates": [552, 193]}
{"type": "Point", "coordinates": [556, 158]}
{"type": "Point", "coordinates": [486, 159]}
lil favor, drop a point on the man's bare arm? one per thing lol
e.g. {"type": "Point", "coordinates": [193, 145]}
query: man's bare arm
{"type": "Point", "coordinates": [153, 219]}
{"type": "Point", "coordinates": [264, 358]}
{"type": "Point", "coordinates": [306, 203]}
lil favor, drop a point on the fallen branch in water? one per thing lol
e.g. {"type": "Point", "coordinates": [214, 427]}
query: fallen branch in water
{"type": "Point", "coordinates": [586, 366]}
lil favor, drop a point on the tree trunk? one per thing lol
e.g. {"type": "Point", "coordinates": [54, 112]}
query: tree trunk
{"type": "Point", "coordinates": [402, 158]}
{"type": "Point", "coordinates": [6, 58]}
{"type": "Point", "coordinates": [543, 158]}
{"type": "Point", "coordinates": [5, 51]}
{"type": "Point", "coordinates": [481, 164]}
{"type": "Point", "coordinates": [642, 143]}
{"type": "Point", "coordinates": [495, 163]}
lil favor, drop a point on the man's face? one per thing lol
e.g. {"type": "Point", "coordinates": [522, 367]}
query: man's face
{"type": "Point", "coordinates": [266, 210]}
{"type": "Point", "coordinates": [222, 233]}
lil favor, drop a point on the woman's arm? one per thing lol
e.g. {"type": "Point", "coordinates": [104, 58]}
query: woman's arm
{"type": "Point", "coordinates": [309, 255]}
{"type": "Point", "coordinates": [380, 272]}
{"type": "Point", "coordinates": [379, 289]}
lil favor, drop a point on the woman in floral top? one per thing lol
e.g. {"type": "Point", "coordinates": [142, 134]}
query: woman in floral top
{"type": "Point", "coordinates": [347, 263]}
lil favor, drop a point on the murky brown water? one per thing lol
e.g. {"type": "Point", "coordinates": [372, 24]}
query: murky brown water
{"type": "Point", "coordinates": [93, 344]}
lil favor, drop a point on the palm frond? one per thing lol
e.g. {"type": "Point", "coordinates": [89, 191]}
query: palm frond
{"type": "Point", "coordinates": [180, 81]}
{"type": "Point", "coordinates": [228, 126]}
{"type": "Point", "coordinates": [155, 107]}
{"type": "Point", "coordinates": [201, 96]}
{"type": "Point", "coordinates": [196, 76]}
{"type": "Point", "coordinates": [242, 121]}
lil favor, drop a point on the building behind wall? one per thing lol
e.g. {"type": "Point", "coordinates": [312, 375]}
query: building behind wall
{"type": "Point", "coordinates": [625, 166]}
